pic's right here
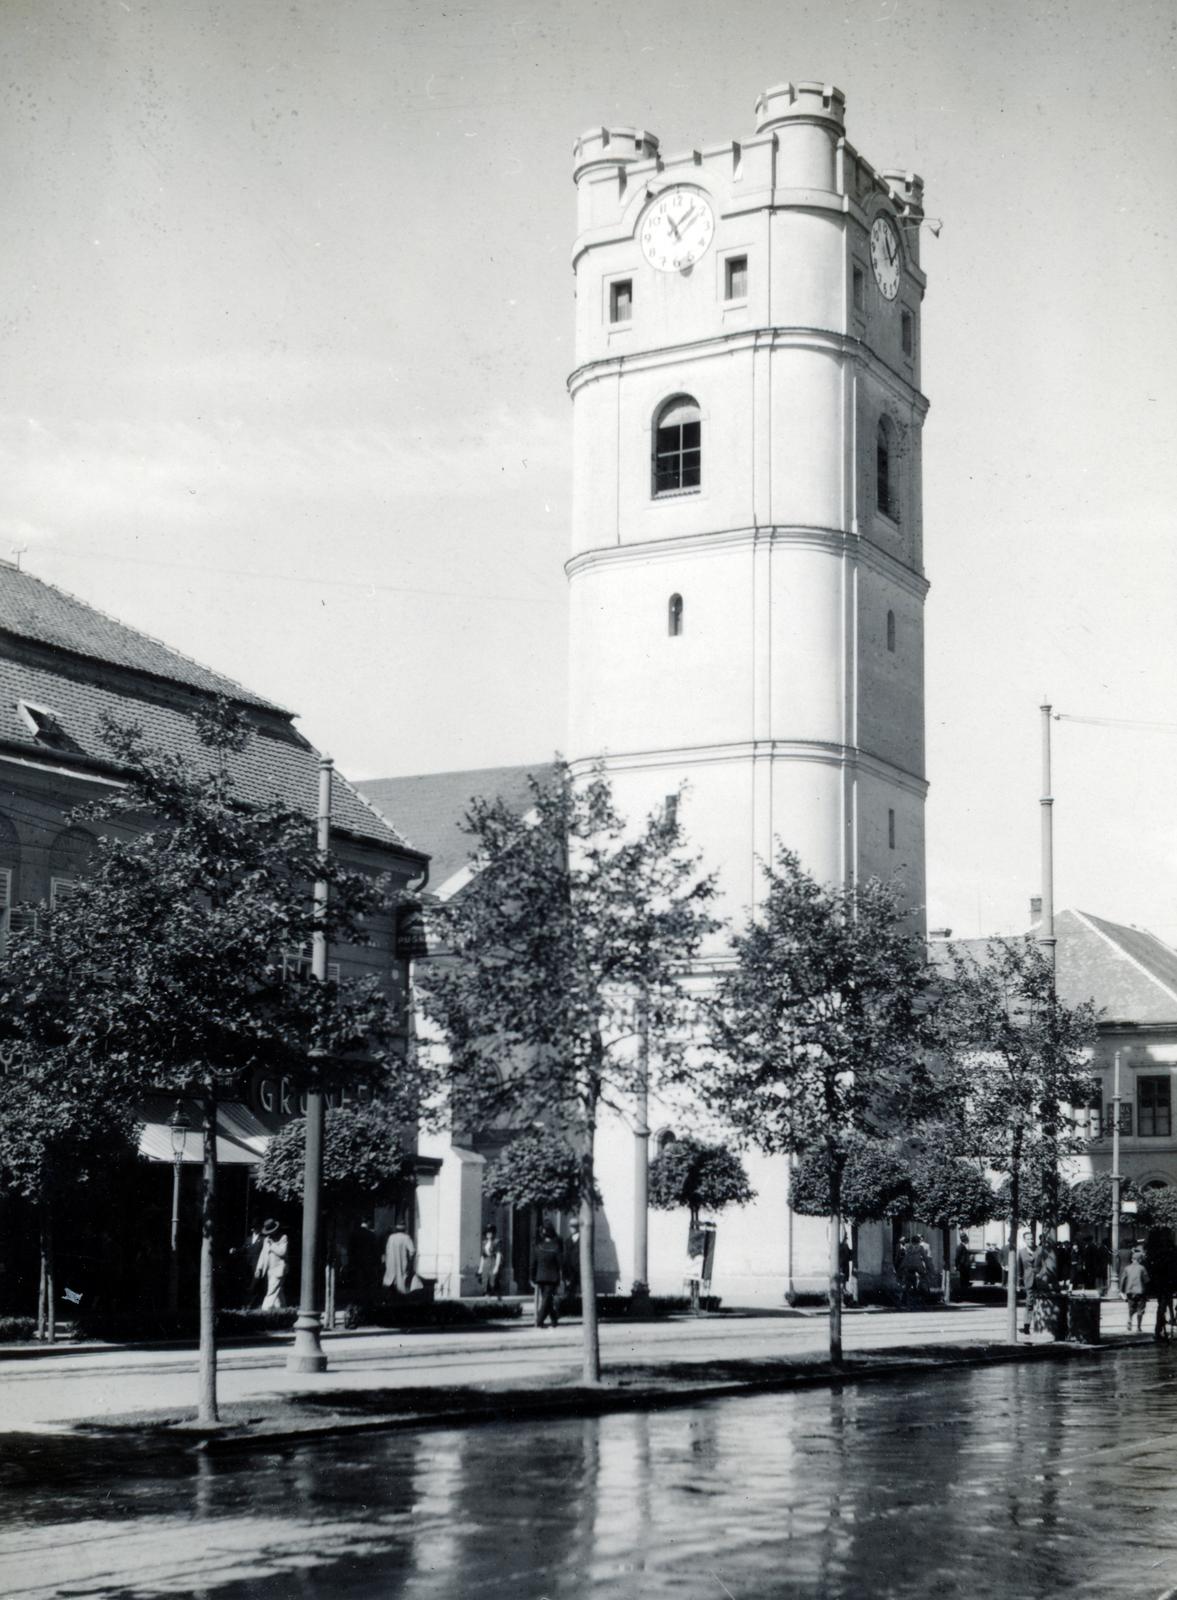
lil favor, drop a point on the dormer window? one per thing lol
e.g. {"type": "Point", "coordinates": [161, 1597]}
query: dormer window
{"type": "Point", "coordinates": [43, 723]}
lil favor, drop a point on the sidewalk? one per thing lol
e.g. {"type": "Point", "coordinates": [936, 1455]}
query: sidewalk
{"type": "Point", "coordinates": [387, 1379]}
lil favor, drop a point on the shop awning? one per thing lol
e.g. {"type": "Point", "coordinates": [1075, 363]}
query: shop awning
{"type": "Point", "coordinates": [241, 1138]}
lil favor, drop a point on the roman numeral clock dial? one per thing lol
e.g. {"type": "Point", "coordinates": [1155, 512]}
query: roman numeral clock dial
{"type": "Point", "coordinates": [677, 230]}
{"type": "Point", "coordinates": [884, 257]}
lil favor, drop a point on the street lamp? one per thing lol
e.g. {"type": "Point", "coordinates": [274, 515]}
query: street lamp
{"type": "Point", "coordinates": [180, 1126]}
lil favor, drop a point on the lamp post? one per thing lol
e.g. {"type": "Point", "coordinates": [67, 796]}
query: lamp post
{"type": "Point", "coordinates": [179, 1126]}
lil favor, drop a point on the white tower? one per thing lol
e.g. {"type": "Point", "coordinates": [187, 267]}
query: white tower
{"type": "Point", "coordinates": [746, 572]}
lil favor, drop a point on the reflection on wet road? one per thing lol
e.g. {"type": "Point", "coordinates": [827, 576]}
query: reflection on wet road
{"type": "Point", "coordinates": [1020, 1481]}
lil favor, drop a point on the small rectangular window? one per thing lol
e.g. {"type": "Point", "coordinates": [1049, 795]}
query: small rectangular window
{"type": "Point", "coordinates": [735, 278]}
{"type": "Point", "coordinates": [1153, 1108]}
{"type": "Point", "coordinates": [890, 830]}
{"type": "Point", "coordinates": [907, 332]}
{"type": "Point", "coordinates": [670, 810]}
{"type": "Point", "coordinates": [859, 289]}
{"type": "Point", "coordinates": [1109, 1120]}
{"type": "Point", "coordinates": [621, 300]}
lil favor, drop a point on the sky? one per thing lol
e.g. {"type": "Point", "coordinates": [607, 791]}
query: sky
{"type": "Point", "coordinates": [286, 319]}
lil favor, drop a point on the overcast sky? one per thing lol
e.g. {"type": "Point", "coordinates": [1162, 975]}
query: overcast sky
{"type": "Point", "coordinates": [287, 316]}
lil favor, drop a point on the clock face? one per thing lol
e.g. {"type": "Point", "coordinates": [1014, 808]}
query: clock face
{"type": "Point", "coordinates": [884, 257]}
{"type": "Point", "coordinates": [676, 230]}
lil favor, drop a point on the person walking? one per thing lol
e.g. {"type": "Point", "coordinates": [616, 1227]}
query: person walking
{"type": "Point", "coordinates": [1025, 1279]}
{"type": "Point", "coordinates": [963, 1262]}
{"type": "Point", "coordinates": [1161, 1264]}
{"type": "Point", "coordinates": [400, 1261]}
{"type": "Point", "coordinates": [271, 1265]}
{"type": "Point", "coordinates": [1134, 1288]}
{"type": "Point", "coordinates": [572, 1259]}
{"type": "Point", "coordinates": [545, 1274]}
{"type": "Point", "coordinates": [490, 1261]}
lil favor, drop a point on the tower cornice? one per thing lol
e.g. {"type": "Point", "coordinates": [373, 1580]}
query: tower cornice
{"type": "Point", "coordinates": [843, 345]}
{"type": "Point", "coordinates": [833, 540]}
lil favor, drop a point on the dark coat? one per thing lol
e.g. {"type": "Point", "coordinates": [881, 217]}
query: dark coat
{"type": "Point", "coordinates": [545, 1261]}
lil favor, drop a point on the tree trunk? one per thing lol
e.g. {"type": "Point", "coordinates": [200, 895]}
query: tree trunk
{"type": "Point", "coordinates": [207, 1384]}
{"type": "Point", "coordinates": [40, 1330]}
{"type": "Point", "coordinates": [330, 1276]}
{"type": "Point", "coordinates": [48, 1269]}
{"type": "Point", "coordinates": [588, 1285]}
{"type": "Point", "coordinates": [946, 1238]}
{"type": "Point", "coordinates": [1011, 1288]}
{"type": "Point", "coordinates": [836, 1265]}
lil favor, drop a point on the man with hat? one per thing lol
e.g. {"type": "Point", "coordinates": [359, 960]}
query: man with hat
{"type": "Point", "coordinates": [271, 1264]}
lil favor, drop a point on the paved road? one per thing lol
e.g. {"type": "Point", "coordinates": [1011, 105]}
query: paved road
{"type": "Point", "coordinates": [59, 1388]}
{"type": "Point", "coordinates": [1017, 1482]}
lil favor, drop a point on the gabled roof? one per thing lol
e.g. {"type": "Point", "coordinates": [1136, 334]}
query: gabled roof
{"type": "Point", "coordinates": [41, 613]}
{"type": "Point", "coordinates": [1130, 974]}
{"type": "Point", "coordinates": [431, 807]}
{"type": "Point", "coordinates": [73, 667]}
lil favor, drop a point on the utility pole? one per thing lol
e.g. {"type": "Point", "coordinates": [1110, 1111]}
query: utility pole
{"type": "Point", "coordinates": [641, 1157]}
{"type": "Point", "coordinates": [1114, 1285]}
{"type": "Point", "coordinates": [1046, 928]}
{"type": "Point", "coordinates": [307, 1353]}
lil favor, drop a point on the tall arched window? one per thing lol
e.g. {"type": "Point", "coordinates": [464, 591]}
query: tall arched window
{"type": "Point", "coordinates": [678, 446]}
{"type": "Point", "coordinates": [674, 616]}
{"type": "Point", "coordinates": [891, 631]}
{"type": "Point", "coordinates": [885, 496]}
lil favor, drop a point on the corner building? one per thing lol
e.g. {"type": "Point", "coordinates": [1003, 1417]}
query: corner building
{"type": "Point", "coordinates": [746, 575]}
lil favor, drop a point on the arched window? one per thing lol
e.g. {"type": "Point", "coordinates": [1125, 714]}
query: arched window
{"type": "Point", "coordinates": [891, 631]}
{"type": "Point", "coordinates": [885, 496]}
{"type": "Point", "coordinates": [678, 441]}
{"type": "Point", "coordinates": [69, 857]}
{"type": "Point", "coordinates": [674, 616]}
{"type": "Point", "coordinates": [663, 1138]}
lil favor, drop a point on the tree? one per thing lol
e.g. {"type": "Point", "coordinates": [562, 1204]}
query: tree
{"type": "Point", "coordinates": [538, 1170]}
{"type": "Point", "coordinates": [699, 1176]}
{"type": "Point", "coordinates": [1014, 1059]}
{"type": "Point", "coordinates": [1088, 1203]}
{"type": "Point", "coordinates": [876, 1184]}
{"type": "Point", "coordinates": [364, 1165]}
{"type": "Point", "coordinates": [165, 970]}
{"type": "Point", "coordinates": [819, 1027]}
{"type": "Point", "coordinates": [574, 935]}
{"type": "Point", "coordinates": [57, 1132]}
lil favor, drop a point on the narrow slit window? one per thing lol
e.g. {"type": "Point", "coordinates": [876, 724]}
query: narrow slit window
{"type": "Point", "coordinates": [858, 289]}
{"type": "Point", "coordinates": [890, 830]}
{"type": "Point", "coordinates": [907, 333]}
{"type": "Point", "coordinates": [621, 300]}
{"type": "Point", "coordinates": [891, 632]}
{"type": "Point", "coordinates": [678, 447]}
{"type": "Point", "coordinates": [674, 616]}
{"type": "Point", "coordinates": [884, 471]}
{"type": "Point", "coordinates": [670, 810]}
{"type": "Point", "coordinates": [735, 274]}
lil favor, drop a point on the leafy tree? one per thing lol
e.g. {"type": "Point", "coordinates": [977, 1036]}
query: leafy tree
{"type": "Point", "coordinates": [573, 930]}
{"type": "Point", "coordinates": [701, 1177]}
{"type": "Point", "coordinates": [819, 1027]}
{"type": "Point", "coordinates": [364, 1165]}
{"type": "Point", "coordinates": [1014, 1063]}
{"type": "Point", "coordinates": [539, 1170]}
{"type": "Point", "coordinates": [56, 1133]}
{"type": "Point", "coordinates": [876, 1184]}
{"type": "Point", "coordinates": [1158, 1207]}
{"type": "Point", "coordinates": [1088, 1203]}
{"type": "Point", "coordinates": [164, 970]}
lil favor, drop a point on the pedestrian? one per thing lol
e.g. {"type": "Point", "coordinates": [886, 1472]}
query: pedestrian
{"type": "Point", "coordinates": [400, 1261]}
{"type": "Point", "coordinates": [1024, 1267]}
{"type": "Point", "coordinates": [1066, 1261]}
{"type": "Point", "coordinates": [545, 1274]}
{"type": "Point", "coordinates": [1161, 1263]}
{"type": "Point", "coordinates": [244, 1258]}
{"type": "Point", "coordinates": [846, 1268]}
{"type": "Point", "coordinates": [992, 1266]}
{"type": "Point", "coordinates": [1134, 1288]}
{"type": "Point", "coordinates": [490, 1261]}
{"type": "Point", "coordinates": [963, 1261]}
{"type": "Point", "coordinates": [271, 1265]}
{"type": "Point", "coordinates": [572, 1259]}
{"type": "Point", "coordinates": [914, 1268]}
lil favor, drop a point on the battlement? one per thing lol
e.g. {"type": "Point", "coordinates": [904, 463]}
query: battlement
{"type": "Point", "coordinates": [792, 102]}
{"type": "Point", "coordinates": [611, 147]}
{"type": "Point", "coordinates": [908, 190]}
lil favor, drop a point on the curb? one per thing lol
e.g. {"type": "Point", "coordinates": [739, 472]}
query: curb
{"type": "Point", "coordinates": [590, 1402]}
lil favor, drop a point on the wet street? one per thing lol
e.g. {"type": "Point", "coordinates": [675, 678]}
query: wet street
{"type": "Point", "coordinates": [1022, 1481]}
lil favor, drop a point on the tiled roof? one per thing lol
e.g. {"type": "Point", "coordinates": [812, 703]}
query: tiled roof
{"type": "Point", "coordinates": [1130, 974]}
{"type": "Point", "coordinates": [431, 807]}
{"type": "Point", "coordinates": [35, 610]}
{"type": "Point", "coordinates": [277, 764]}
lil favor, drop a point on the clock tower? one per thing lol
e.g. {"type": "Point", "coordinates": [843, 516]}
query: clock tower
{"type": "Point", "coordinates": [746, 575]}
